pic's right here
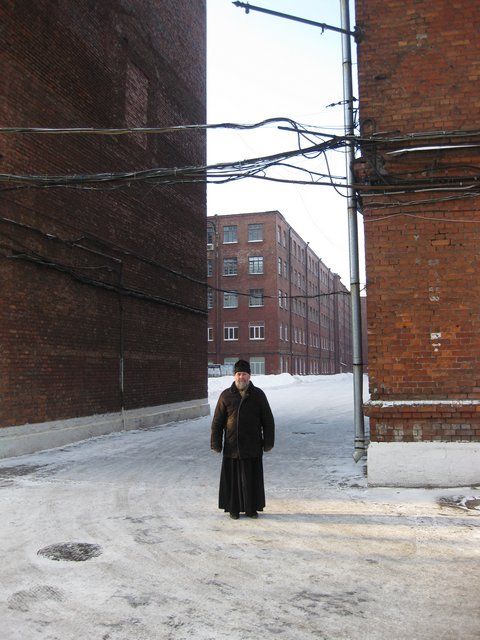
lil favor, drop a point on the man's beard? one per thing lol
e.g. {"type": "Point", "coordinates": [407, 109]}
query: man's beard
{"type": "Point", "coordinates": [241, 385]}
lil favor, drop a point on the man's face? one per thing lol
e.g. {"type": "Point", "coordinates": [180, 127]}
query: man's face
{"type": "Point", "coordinates": [241, 380]}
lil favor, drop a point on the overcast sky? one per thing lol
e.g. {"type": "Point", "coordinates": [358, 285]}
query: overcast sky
{"type": "Point", "coordinates": [261, 66]}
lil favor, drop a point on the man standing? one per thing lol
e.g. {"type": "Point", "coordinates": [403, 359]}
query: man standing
{"type": "Point", "coordinates": [243, 427]}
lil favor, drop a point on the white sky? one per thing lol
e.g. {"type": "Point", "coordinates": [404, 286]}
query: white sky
{"type": "Point", "coordinates": [261, 66]}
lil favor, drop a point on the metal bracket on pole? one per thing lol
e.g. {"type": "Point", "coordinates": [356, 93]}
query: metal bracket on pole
{"type": "Point", "coordinates": [356, 33]}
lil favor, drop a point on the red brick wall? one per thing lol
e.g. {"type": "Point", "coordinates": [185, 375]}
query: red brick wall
{"type": "Point", "coordinates": [419, 67]}
{"type": "Point", "coordinates": [70, 64]}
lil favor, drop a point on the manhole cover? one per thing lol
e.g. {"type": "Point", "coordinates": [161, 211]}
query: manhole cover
{"type": "Point", "coordinates": [72, 551]}
{"type": "Point", "coordinates": [467, 503]}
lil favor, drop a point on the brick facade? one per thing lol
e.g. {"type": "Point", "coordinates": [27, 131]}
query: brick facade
{"type": "Point", "coordinates": [284, 330]}
{"type": "Point", "coordinates": [419, 67]}
{"type": "Point", "coordinates": [63, 332]}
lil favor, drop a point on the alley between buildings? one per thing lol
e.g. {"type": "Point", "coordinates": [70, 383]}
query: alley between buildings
{"type": "Point", "coordinates": [330, 558]}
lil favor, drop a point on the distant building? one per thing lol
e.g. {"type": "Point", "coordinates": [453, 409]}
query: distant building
{"type": "Point", "coordinates": [103, 314]}
{"type": "Point", "coordinates": [272, 300]}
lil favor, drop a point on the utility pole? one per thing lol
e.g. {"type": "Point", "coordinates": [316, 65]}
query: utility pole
{"type": "Point", "coordinates": [346, 34]}
{"type": "Point", "coordinates": [357, 361]}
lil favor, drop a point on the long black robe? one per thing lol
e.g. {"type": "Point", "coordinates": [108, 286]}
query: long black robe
{"type": "Point", "coordinates": [241, 485]}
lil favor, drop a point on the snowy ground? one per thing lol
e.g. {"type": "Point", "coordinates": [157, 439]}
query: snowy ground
{"type": "Point", "coordinates": [328, 559]}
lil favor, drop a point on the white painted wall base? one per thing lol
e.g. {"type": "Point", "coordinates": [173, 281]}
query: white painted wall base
{"type": "Point", "coordinates": [28, 438]}
{"type": "Point", "coordinates": [423, 464]}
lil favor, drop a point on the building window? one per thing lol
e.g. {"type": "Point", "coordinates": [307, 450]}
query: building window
{"type": "Point", "coordinates": [279, 266]}
{"type": "Point", "coordinates": [209, 299]}
{"type": "Point", "coordinates": [285, 239]}
{"type": "Point", "coordinates": [230, 300]}
{"type": "Point", "coordinates": [256, 331]}
{"type": "Point", "coordinates": [255, 232]}
{"type": "Point", "coordinates": [279, 234]}
{"type": "Point", "coordinates": [209, 268]}
{"type": "Point", "coordinates": [230, 361]}
{"type": "Point", "coordinates": [257, 365]}
{"type": "Point", "coordinates": [230, 332]}
{"type": "Point", "coordinates": [280, 298]}
{"type": "Point", "coordinates": [210, 236]}
{"type": "Point", "coordinates": [255, 298]}
{"type": "Point", "coordinates": [210, 334]}
{"type": "Point", "coordinates": [255, 264]}
{"type": "Point", "coordinates": [230, 234]}
{"type": "Point", "coordinates": [230, 267]}
{"type": "Point", "coordinates": [281, 331]}
{"type": "Point", "coordinates": [286, 332]}
{"type": "Point", "coordinates": [285, 269]}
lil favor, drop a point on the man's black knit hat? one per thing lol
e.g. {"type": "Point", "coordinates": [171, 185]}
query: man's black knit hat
{"type": "Point", "coordinates": [241, 365]}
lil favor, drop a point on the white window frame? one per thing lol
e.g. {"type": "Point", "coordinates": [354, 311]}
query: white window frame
{"type": "Point", "coordinates": [256, 331]}
{"type": "Point", "coordinates": [230, 332]}
{"type": "Point", "coordinates": [210, 237]}
{"type": "Point", "coordinates": [231, 297]}
{"type": "Point", "coordinates": [230, 266]}
{"type": "Point", "coordinates": [231, 231]}
{"type": "Point", "coordinates": [257, 365]}
{"type": "Point", "coordinates": [255, 299]}
{"type": "Point", "coordinates": [255, 265]}
{"type": "Point", "coordinates": [210, 334]}
{"type": "Point", "coordinates": [257, 226]}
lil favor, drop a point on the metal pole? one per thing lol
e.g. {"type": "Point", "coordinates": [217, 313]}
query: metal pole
{"type": "Point", "coordinates": [356, 33]}
{"type": "Point", "coordinates": [353, 239]}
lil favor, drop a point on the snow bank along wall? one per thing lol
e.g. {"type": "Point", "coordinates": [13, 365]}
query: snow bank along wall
{"type": "Point", "coordinates": [419, 69]}
{"type": "Point", "coordinates": [89, 277]}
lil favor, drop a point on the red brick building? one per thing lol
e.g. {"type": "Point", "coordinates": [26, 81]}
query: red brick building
{"type": "Point", "coordinates": [272, 300]}
{"type": "Point", "coordinates": [103, 308]}
{"type": "Point", "coordinates": [419, 72]}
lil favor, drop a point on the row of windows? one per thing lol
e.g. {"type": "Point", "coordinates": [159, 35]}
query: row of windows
{"type": "Point", "coordinates": [298, 252]}
{"type": "Point", "coordinates": [256, 299]}
{"type": "Point", "coordinates": [230, 266]}
{"type": "Point", "coordinates": [256, 331]}
{"type": "Point", "coordinates": [230, 233]}
{"type": "Point", "coordinates": [230, 299]}
{"type": "Point", "coordinates": [257, 364]}
{"type": "Point", "coordinates": [256, 267]}
{"type": "Point", "coordinates": [299, 366]}
{"type": "Point", "coordinates": [300, 337]}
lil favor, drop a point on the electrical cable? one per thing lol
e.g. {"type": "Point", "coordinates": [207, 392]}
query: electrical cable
{"type": "Point", "coordinates": [120, 289]}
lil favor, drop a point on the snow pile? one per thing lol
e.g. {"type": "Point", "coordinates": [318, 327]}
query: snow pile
{"type": "Point", "coordinates": [280, 381]}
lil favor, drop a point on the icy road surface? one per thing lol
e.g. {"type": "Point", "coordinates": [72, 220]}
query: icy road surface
{"type": "Point", "coordinates": [329, 559]}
